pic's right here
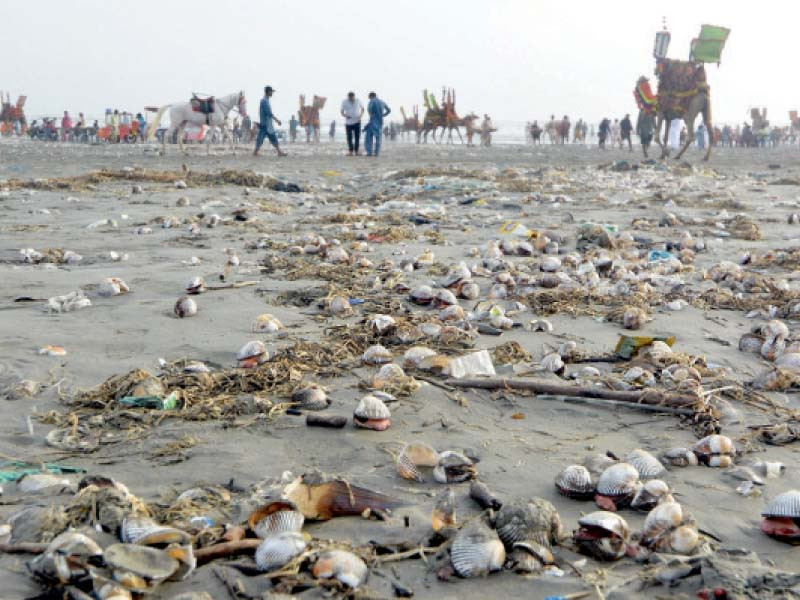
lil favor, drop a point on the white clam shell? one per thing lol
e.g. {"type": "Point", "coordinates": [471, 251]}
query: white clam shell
{"type": "Point", "coordinates": [277, 550]}
{"type": "Point", "coordinates": [477, 550]}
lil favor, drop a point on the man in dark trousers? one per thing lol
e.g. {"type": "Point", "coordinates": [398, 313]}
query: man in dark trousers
{"type": "Point", "coordinates": [352, 111]}
{"type": "Point", "coordinates": [625, 129]}
{"type": "Point", "coordinates": [266, 130]}
{"type": "Point", "coordinates": [645, 124]}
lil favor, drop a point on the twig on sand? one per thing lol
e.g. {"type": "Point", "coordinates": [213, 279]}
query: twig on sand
{"type": "Point", "coordinates": [23, 548]}
{"type": "Point", "coordinates": [226, 549]}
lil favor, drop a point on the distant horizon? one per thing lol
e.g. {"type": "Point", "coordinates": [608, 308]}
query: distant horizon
{"type": "Point", "coordinates": [517, 60]}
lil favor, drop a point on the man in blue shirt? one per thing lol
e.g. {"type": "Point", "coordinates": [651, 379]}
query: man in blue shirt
{"type": "Point", "coordinates": [377, 110]}
{"type": "Point", "coordinates": [266, 130]}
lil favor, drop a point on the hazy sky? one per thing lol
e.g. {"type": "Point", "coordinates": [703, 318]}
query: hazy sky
{"type": "Point", "coordinates": [516, 59]}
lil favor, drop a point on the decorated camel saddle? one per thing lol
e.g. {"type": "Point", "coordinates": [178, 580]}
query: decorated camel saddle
{"type": "Point", "coordinates": [202, 105]}
{"type": "Point", "coordinates": [678, 82]}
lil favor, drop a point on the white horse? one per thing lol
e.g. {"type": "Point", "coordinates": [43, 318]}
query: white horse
{"type": "Point", "coordinates": [181, 113]}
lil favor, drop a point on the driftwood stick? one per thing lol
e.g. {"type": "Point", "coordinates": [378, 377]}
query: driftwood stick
{"type": "Point", "coordinates": [648, 396]}
{"type": "Point", "coordinates": [226, 549]}
{"type": "Point", "coordinates": [657, 408]}
{"type": "Point", "coordinates": [23, 548]}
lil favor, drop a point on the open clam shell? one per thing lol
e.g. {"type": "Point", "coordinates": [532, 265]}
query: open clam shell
{"type": "Point", "coordinates": [715, 451]}
{"type": "Point", "coordinates": [252, 354]}
{"type": "Point", "coordinates": [575, 481]}
{"type": "Point", "coordinates": [454, 467]}
{"type": "Point", "coordinates": [277, 550]}
{"type": "Point", "coordinates": [139, 567]}
{"type": "Point", "coordinates": [53, 564]}
{"type": "Point", "coordinates": [477, 550]}
{"type": "Point", "coordinates": [648, 466]}
{"type": "Point", "coordinates": [413, 456]}
{"type": "Point", "coordinates": [603, 535]}
{"type": "Point", "coordinates": [781, 517]}
{"type": "Point", "coordinates": [343, 565]}
{"type": "Point", "coordinates": [142, 530]}
{"type": "Point", "coordinates": [196, 285]}
{"type": "Point", "coordinates": [311, 397]}
{"type": "Point", "coordinates": [376, 355]}
{"type": "Point", "coordinates": [651, 493]}
{"type": "Point", "coordinates": [274, 518]}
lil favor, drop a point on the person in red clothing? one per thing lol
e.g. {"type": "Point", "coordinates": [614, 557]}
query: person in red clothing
{"type": "Point", "coordinates": [66, 127]}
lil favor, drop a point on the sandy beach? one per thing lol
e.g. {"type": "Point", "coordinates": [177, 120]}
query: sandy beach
{"type": "Point", "coordinates": [447, 200]}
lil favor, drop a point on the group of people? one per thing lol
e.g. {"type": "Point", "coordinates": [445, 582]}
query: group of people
{"type": "Point", "coordinates": [353, 112]}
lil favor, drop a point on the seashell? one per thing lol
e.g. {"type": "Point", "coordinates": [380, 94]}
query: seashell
{"type": "Point", "coordinates": [413, 456]}
{"type": "Point", "coordinates": [535, 521]}
{"type": "Point", "coordinates": [336, 254]}
{"type": "Point", "coordinates": [679, 304]}
{"type": "Point", "coordinates": [469, 290]}
{"type": "Point", "coordinates": [715, 451]}
{"type": "Point", "coordinates": [415, 355]}
{"type": "Point", "coordinates": [456, 275]}
{"type": "Point", "coordinates": [372, 413]}
{"type": "Point", "coordinates": [444, 511]}
{"type": "Point", "coordinates": [187, 562]}
{"type": "Point", "coordinates": [339, 306]}
{"type": "Point", "coordinates": [113, 591]}
{"type": "Point", "coordinates": [789, 360]}
{"type": "Point", "coordinates": [477, 550]}
{"type": "Point", "coordinates": [633, 317]}
{"type": "Point", "coordinates": [617, 486]}
{"type": "Point", "coordinates": [252, 354]}
{"type": "Point", "coordinates": [311, 397]}
{"type": "Point", "coordinates": [275, 551]}
{"type": "Point", "coordinates": [430, 329]}
{"type": "Point", "coordinates": [36, 483]}
{"type": "Point", "coordinates": [196, 285]}
{"type": "Point", "coordinates": [112, 286]}
{"type": "Point", "coordinates": [602, 535]}
{"type": "Point", "coordinates": [149, 386]}
{"type": "Point", "coordinates": [679, 457]}
{"type": "Point", "coordinates": [483, 496]}
{"type": "Point", "coordinates": [53, 565]}
{"type": "Point", "coordinates": [597, 463]}
{"type": "Point", "coordinates": [652, 492]}
{"type": "Point", "coordinates": [549, 280]}
{"type": "Point", "coordinates": [421, 295]}
{"type": "Point", "coordinates": [743, 473]}
{"type": "Point", "coordinates": [776, 328]}
{"type": "Point", "coordinates": [529, 557]}
{"type": "Point", "coordinates": [452, 313]}
{"type": "Point", "coordinates": [376, 355]}
{"type": "Point", "coordinates": [648, 466]}
{"type": "Point", "coordinates": [589, 372]}
{"type": "Point", "coordinates": [553, 363]}
{"type": "Point", "coordinates": [786, 504]}
{"type": "Point", "coordinates": [781, 517]}
{"type": "Point", "coordinates": [501, 322]}
{"type": "Point", "coordinates": [381, 324]}
{"type": "Point", "coordinates": [275, 517]}
{"type": "Point", "coordinates": [139, 568]}
{"type": "Point", "coordinates": [342, 565]}
{"type": "Point", "coordinates": [445, 297]}
{"type": "Point", "coordinates": [772, 348]}
{"type": "Point", "coordinates": [768, 469]}
{"type": "Point", "coordinates": [438, 363]}
{"type": "Point", "coordinates": [185, 307]}
{"type": "Point", "coordinates": [320, 497]}
{"type": "Point", "coordinates": [454, 467]}
{"type": "Point", "coordinates": [550, 264]}
{"type": "Point", "coordinates": [568, 349]}
{"type": "Point", "coordinates": [525, 248]}
{"type": "Point", "coordinates": [142, 530]}
{"type": "Point", "coordinates": [266, 323]}
{"type": "Point", "coordinates": [575, 481]}
{"type": "Point", "coordinates": [541, 325]}
{"type": "Point", "coordinates": [683, 540]}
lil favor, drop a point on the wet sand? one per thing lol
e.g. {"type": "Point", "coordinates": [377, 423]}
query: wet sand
{"type": "Point", "coordinates": [519, 456]}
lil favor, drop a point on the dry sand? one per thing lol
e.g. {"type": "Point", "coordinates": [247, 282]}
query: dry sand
{"type": "Point", "coordinates": [519, 457]}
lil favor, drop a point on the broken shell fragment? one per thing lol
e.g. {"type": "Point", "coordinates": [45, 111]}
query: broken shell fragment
{"type": "Point", "coordinates": [343, 565]}
{"type": "Point", "coordinates": [444, 511]}
{"type": "Point", "coordinates": [320, 497]}
{"type": "Point", "coordinates": [142, 530]}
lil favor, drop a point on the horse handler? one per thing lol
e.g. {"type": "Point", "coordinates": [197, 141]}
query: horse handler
{"type": "Point", "coordinates": [266, 130]}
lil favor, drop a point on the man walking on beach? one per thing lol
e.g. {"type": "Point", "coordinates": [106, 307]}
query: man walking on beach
{"type": "Point", "coordinates": [266, 130]}
{"type": "Point", "coordinates": [352, 110]}
{"type": "Point", "coordinates": [625, 128]}
{"type": "Point", "coordinates": [645, 124]}
{"type": "Point", "coordinates": [377, 110]}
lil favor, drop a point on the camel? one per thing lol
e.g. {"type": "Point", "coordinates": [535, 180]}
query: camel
{"type": "Point", "coordinates": [411, 124]}
{"type": "Point", "coordinates": [682, 94]}
{"type": "Point", "coordinates": [309, 116]}
{"type": "Point", "coordinates": [465, 122]}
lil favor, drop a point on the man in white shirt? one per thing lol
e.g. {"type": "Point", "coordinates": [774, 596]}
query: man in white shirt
{"type": "Point", "coordinates": [352, 111]}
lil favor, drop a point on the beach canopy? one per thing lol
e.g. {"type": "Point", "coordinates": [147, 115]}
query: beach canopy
{"type": "Point", "coordinates": [707, 48]}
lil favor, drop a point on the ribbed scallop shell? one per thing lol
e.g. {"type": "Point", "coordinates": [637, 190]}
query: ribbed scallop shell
{"type": "Point", "coordinates": [275, 517]}
{"type": "Point", "coordinates": [786, 504]}
{"type": "Point", "coordinates": [137, 529]}
{"type": "Point", "coordinates": [376, 355]}
{"type": "Point", "coordinates": [536, 521]}
{"type": "Point", "coordinates": [252, 349]}
{"type": "Point", "coordinates": [645, 463]}
{"type": "Point", "coordinates": [618, 480]}
{"type": "Point", "coordinates": [662, 517]}
{"type": "Point", "coordinates": [311, 397]}
{"type": "Point", "coordinates": [372, 407]}
{"type": "Point", "coordinates": [575, 481]}
{"type": "Point", "coordinates": [477, 550]}
{"type": "Point", "coordinates": [277, 550]}
{"type": "Point", "coordinates": [597, 463]}
{"type": "Point", "coordinates": [413, 456]}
